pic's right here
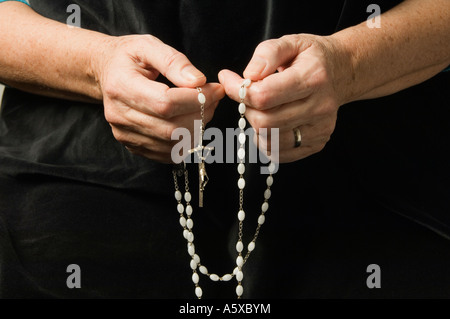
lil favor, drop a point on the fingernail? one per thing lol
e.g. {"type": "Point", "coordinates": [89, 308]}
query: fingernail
{"type": "Point", "coordinates": [191, 73]}
{"type": "Point", "coordinates": [256, 66]}
{"type": "Point", "coordinates": [220, 76]}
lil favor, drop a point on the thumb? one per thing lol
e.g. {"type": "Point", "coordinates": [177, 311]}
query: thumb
{"type": "Point", "coordinates": [174, 65]}
{"type": "Point", "coordinates": [269, 56]}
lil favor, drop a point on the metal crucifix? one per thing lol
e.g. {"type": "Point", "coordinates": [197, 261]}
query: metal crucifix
{"type": "Point", "coordinates": [202, 175]}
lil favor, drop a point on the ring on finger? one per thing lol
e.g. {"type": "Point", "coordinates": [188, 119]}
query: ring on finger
{"type": "Point", "coordinates": [297, 137]}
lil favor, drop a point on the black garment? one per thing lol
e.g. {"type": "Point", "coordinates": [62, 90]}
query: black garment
{"type": "Point", "coordinates": [71, 194]}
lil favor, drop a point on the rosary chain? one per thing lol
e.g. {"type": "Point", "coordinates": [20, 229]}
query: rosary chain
{"type": "Point", "coordinates": [187, 223]}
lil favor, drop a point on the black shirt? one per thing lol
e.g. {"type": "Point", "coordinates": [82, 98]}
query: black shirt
{"type": "Point", "coordinates": [70, 193]}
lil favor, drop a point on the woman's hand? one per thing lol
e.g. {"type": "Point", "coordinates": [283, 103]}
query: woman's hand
{"type": "Point", "coordinates": [141, 111]}
{"type": "Point", "coordinates": [294, 86]}
{"type": "Point", "coordinates": [317, 74]}
{"type": "Point", "coordinates": [120, 72]}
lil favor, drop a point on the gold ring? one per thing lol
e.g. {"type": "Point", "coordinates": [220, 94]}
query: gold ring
{"type": "Point", "coordinates": [297, 137]}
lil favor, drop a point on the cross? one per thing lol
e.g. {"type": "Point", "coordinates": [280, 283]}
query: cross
{"type": "Point", "coordinates": [202, 176]}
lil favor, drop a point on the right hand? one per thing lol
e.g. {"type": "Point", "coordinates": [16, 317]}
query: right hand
{"type": "Point", "coordinates": [141, 111]}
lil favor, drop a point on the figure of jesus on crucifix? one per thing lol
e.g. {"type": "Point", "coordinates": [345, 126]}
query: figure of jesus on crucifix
{"type": "Point", "coordinates": [200, 151]}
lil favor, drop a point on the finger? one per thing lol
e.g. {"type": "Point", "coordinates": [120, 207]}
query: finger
{"type": "Point", "coordinates": [270, 55]}
{"type": "Point", "coordinates": [155, 127]}
{"type": "Point", "coordinates": [313, 109]}
{"type": "Point", "coordinates": [171, 63]}
{"type": "Point", "coordinates": [136, 140]}
{"type": "Point", "coordinates": [285, 117]}
{"type": "Point", "coordinates": [286, 152]}
{"type": "Point", "coordinates": [276, 89]}
{"type": "Point", "coordinates": [284, 141]}
{"type": "Point", "coordinates": [157, 99]}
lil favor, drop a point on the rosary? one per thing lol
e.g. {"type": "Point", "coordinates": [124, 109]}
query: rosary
{"type": "Point", "coordinates": [185, 211]}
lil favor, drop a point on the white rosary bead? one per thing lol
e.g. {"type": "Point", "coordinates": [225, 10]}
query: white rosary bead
{"type": "Point", "coordinates": [271, 167]}
{"type": "Point", "coordinates": [214, 277]}
{"type": "Point", "coordinates": [193, 264]}
{"type": "Point", "coordinates": [241, 169]}
{"type": "Point", "coordinates": [239, 246]}
{"type": "Point", "coordinates": [195, 278]}
{"type": "Point", "coordinates": [185, 233]}
{"type": "Point", "coordinates": [191, 250]}
{"type": "Point", "coordinates": [239, 275]}
{"type": "Point", "coordinates": [190, 237]}
{"type": "Point", "coordinates": [190, 223]}
{"type": "Point", "coordinates": [242, 108]}
{"type": "Point", "coordinates": [241, 215]}
{"type": "Point", "coordinates": [251, 246]}
{"type": "Point", "coordinates": [201, 98]}
{"type": "Point", "coordinates": [239, 261]}
{"type": "Point", "coordinates": [267, 194]}
{"type": "Point", "coordinates": [196, 257]}
{"type": "Point", "coordinates": [203, 270]}
{"type": "Point", "coordinates": [242, 92]}
{"type": "Point", "coordinates": [241, 153]}
{"type": "Point", "coordinates": [188, 210]}
{"type": "Point", "coordinates": [241, 183]}
{"type": "Point", "coordinates": [239, 290]}
{"type": "Point", "coordinates": [264, 207]}
{"type": "Point", "coordinates": [187, 197]}
{"type": "Point", "coordinates": [182, 221]}
{"type": "Point", "coordinates": [180, 208]}
{"type": "Point", "coordinates": [246, 82]}
{"type": "Point", "coordinates": [242, 138]}
{"type": "Point", "coordinates": [178, 195]}
{"type": "Point", "coordinates": [261, 219]}
{"type": "Point", "coordinates": [242, 123]}
{"type": "Point", "coordinates": [226, 277]}
{"type": "Point", "coordinates": [235, 270]}
{"type": "Point", "coordinates": [269, 180]}
{"type": "Point", "coordinates": [198, 292]}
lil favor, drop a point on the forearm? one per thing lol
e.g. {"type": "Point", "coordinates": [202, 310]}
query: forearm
{"type": "Point", "coordinates": [412, 45]}
{"type": "Point", "coordinates": [46, 57]}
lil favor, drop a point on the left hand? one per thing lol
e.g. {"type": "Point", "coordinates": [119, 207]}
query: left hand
{"type": "Point", "coordinates": [294, 85]}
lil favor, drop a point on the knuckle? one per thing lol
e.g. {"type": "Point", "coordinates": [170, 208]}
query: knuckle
{"type": "Point", "coordinates": [111, 88]}
{"type": "Point", "coordinates": [164, 107]}
{"type": "Point", "coordinates": [261, 100]}
{"type": "Point", "coordinates": [291, 38]}
{"type": "Point", "coordinates": [137, 151]}
{"type": "Point", "coordinates": [255, 139]}
{"type": "Point", "coordinates": [168, 131]}
{"type": "Point", "coordinates": [262, 141]}
{"type": "Point", "coordinates": [318, 147]}
{"type": "Point", "coordinates": [120, 136]}
{"type": "Point", "coordinates": [133, 150]}
{"type": "Point", "coordinates": [266, 142]}
{"type": "Point", "coordinates": [148, 38]}
{"type": "Point", "coordinates": [270, 47]}
{"type": "Point", "coordinates": [329, 130]}
{"type": "Point", "coordinates": [171, 58]}
{"type": "Point", "coordinates": [321, 77]}
{"type": "Point", "coordinates": [325, 109]}
{"type": "Point", "coordinates": [123, 137]}
{"type": "Point", "coordinates": [259, 121]}
{"type": "Point", "coordinates": [111, 116]}
{"type": "Point", "coordinates": [263, 47]}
